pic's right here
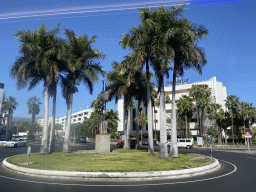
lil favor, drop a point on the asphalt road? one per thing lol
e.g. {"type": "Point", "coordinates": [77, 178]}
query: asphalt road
{"type": "Point", "coordinates": [237, 173]}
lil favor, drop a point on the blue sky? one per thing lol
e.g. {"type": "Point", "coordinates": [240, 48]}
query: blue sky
{"type": "Point", "coordinates": [230, 45]}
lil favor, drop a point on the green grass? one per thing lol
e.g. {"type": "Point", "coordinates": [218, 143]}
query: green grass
{"type": "Point", "coordinates": [124, 161]}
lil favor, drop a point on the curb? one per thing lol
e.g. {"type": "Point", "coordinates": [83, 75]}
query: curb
{"type": "Point", "coordinates": [119, 175]}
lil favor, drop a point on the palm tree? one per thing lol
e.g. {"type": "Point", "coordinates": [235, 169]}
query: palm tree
{"type": "Point", "coordinates": [142, 119]}
{"type": "Point", "coordinates": [183, 39]}
{"type": "Point", "coordinates": [212, 110]}
{"type": "Point", "coordinates": [112, 118]}
{"type": "Point", "coordinates": [78, 59]}
{"type": "Point", "coordinates": [117, 88]}
{"type": "Point", "coordinates": [185, 107]}
{"type": "Point", "coordinates": [232, 103]}
{"type": "Point", "coordinates": [195, 93]}
{"type": "Point", "coordinates": [33, 109]}
{"type": "Point", "coordinates": [38, 63]}
{"type": "Point", "coordinates": [145, 42]}
{"type": "Point", "coordinates": [203, 102]}
{"type": "Point", "coordinates": [9, 105]}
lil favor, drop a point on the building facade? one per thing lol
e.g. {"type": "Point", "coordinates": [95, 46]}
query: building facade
{"type": "Point", "coordinates": [218, 95]}
{"type": "Point", "coordinates": [77, 117]}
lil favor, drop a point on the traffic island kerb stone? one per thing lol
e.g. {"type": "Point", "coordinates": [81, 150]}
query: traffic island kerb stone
{"type": "Point", "coordinates": [120, 176]}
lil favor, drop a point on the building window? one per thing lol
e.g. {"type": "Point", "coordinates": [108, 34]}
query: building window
{"type": "Point", "coordinates": [74, 116]}
{"type": "Point", "coordinates": [74, 120]}
{"type": "Point", "coordinates": [80, 115]}
{"type": "Point", "coordinates": [86, 113]}
{"type": "Point", "coordinates": [62, 119]}
{"type": "Point", "coordinates": [62, 122]}
{"type": "Point", "coordinates": [79, 119]}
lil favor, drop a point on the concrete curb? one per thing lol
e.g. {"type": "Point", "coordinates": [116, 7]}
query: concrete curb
{"type": "Point", "coordinates": [119, 175]}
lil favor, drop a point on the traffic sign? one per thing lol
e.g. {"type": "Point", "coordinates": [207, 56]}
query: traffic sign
{"type": "Point", "coordinates": [247, 133]}
{"type": "Point", "coordinates": [28, 151]}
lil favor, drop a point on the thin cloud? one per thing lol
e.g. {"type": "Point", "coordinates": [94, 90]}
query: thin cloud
{"type": "Point", "coordinates": [86, 9]}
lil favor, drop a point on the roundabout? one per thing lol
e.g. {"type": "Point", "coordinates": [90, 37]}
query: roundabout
{"type": "Point", "coordinates": [234, 170]}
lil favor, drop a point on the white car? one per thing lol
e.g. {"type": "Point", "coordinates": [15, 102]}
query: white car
{"type": "Point", "coordinates": [183, 142]}
{"type": "Point", "coordinates": [15, 143]}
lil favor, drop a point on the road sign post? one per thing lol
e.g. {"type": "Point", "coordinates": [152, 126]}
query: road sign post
{"type": "Point", "coordinates": [247, 135]}
{"type": "Point", "coordinates": [28, 153]}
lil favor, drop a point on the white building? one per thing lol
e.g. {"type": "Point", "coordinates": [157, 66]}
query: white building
{"type": "Point", "coordinates": [77, 117]}
{"type": "Point", "coordinates": [218, 95]}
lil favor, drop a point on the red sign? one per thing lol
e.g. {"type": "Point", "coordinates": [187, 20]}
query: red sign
{"type": "Point", "coordinates": [247, 133]}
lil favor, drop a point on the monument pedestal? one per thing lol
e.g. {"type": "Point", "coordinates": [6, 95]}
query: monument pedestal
{"type": "Point", "coordinates": [102, 144]}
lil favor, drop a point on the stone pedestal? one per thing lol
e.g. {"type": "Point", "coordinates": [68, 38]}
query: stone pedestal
{"type": "Point", "coordinates": [102, 144]}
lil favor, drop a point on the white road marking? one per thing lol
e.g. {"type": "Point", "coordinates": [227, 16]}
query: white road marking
{"type": "Point", "coordinates": [131, 185]}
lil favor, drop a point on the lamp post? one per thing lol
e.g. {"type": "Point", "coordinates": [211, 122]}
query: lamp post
{"type": "Point", "coordinates": [104, 97]}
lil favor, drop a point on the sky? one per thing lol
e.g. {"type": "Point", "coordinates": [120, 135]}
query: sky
{"type": "Point", "coordinates": [230, 45]}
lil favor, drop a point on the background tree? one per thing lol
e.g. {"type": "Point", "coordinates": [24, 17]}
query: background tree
{"type": "Point", "coordinates": [212, 110]}
{"type": "Point", "coordinates": [203, 102]}
{"type": "Point", "coordinates": [185, 107]}
{"type": "Point", "coordinates": [195, 93]}
{"type": "Point", "coordinates": [142, 121]}
{"type": "Point", "coordinates": [22, 126]}
{"type": "Point", "coordinates": [232, 104]}
{"type": "Point", "coordinates": [33, 109]}
{"type": "Point", "coordinates": [10, 105]}
{"type": "Point", "coordinates": [112, 119]}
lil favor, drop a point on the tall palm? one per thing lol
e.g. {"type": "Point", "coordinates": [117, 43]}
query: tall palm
{"type": "Point", "coordinates": [232, 104]}
{"type": "Point", "coordinates": [33, 109]}
{"type": "Point", "coordinates": [185, 107]}
{"type": "Point", "coordinates": [80, 67]}
{"type": "Point", "coordinates": [37, 63]}
{"type": "Point", "coordinates": [183, 39]}
{"type": "Point", "coordinates": [9, 105]}
{"type": "Point", "coordinates": [145, 43]}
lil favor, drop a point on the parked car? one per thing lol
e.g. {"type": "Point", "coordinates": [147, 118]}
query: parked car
{"type": "Point", "coordinates": [15, 143]}
{"type": "Point", "coordinates": [120, 144]}
{"type": "Point", "coordinates": [81, 139]}
{"type": "Point", "coordinates": [183, 142]}
{"type": "Point", "coordinates": [144, 142]}
{"type": "Point", "coordinates": [2, 137]}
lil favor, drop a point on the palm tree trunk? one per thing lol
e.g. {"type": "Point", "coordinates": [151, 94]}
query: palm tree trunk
{"type": "Point", "coordinates": [186, 126]}
{"type": "Point", "coordinates": [244, 133]}
{"type": "Point", "coordinates": [8, 125]}
{"type": "Point", "coordinates": [174, 147]}
{"type": "Point", "coordinates": [127, 131]}
{"type": "Point", "coordinates": [32, 127]}
{"type": "Point", "coordinates": [155, 123]}
{"type": "Point", "coordinates": [52, 133]}
{"type": "Point", "coordinates": [44, 142]}
{"type": "Point", "coordinates": [233, 131]}
{"type": "Point", "coordinates": [67, 129]}
{"type": "Point", "coordinates": [149, 113]}
{"type": "Point", "coordinates": [226, 140]}
{"type": "Point", "coordinates": [163, 154]}
{"type": "Point", "coordinates": [137, 126]}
